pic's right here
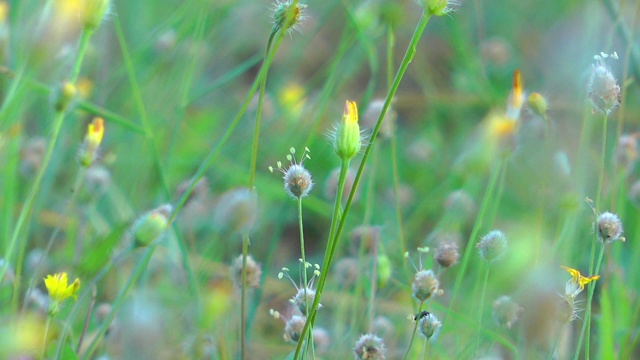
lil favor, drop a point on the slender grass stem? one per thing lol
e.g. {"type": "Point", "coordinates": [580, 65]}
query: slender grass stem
{"type": "Point", "coordinates": [46, 334]}
{"type": "Point", "coordinates": [586, 324]}
{"type": "Point", "coordinates": [426, 349]}
{"type": "Point", "coordinates": [481, 310]}
{"type": "Point", "coordinates": [333, 238]}
{"type": "Point", "coordinates": [117, 303]}
{"type": "Point", "coordinates": [414, 332]}
{"type": "Point", "coordinates": [243, 298]}
{"type": "Point", "coordinates": [92, 303]}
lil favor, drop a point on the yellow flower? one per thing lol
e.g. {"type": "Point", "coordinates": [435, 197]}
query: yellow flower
{"type": "Point", "coordinates": [347, 141]}
{"type": "Point", "coordinates": [59, 290]}
{"type": "Point", "coordinates": [92, 140]}
{"type": "Point", "coordinates": [577, 282]}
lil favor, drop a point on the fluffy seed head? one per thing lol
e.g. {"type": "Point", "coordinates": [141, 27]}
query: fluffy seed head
{"type": "Point", "coordinates": [493, 245]}
{"type": "Point", "coordinates": [253, 272]}
{"type": "Point", "coordinates": [447, 254]}
{"type": "Point", "coordinates": [369, 347]}
{"type": "Point", "coordinates": [293, 328]}
{"type": "Point", "coordinates": [609, 227]}
{"type": "Point", "coordinates": [286, 17]}
{"type": "Point", "coordinates": [506, 311]}
{"type": "Point", "coordinates": [303, 298]}
{"type": "Point", "coordinates": [425, 284]}
{"type": "Point", "coordinates": [429, 325]}
{"type": "Point", "coordinates": [297, 179]}
{"type": "Point", "coordinates": [604, 91]}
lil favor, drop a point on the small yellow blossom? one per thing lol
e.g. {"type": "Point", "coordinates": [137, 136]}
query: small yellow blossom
{"type": "Point", "coordinates": [59, 290]}
{"type": "Point", "coordinates": [92, 140]}
{"type": "Point", "coordinates": [577, 282]}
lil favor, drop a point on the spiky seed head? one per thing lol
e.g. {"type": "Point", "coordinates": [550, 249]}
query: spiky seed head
{"type": "Point", "coordinates": [297, 181]}
{"type": "Point", "coordinates": [506, 311]}
{"type": "Point", "coordinates": [303, 299]}
{"type": "Point", "coordinates": [604, 91]}
{"type": "Point", "coordinates": [429, 326]}
{"type": "Point", "coordinates": [446, 254]}
{"type": "Point", "coordinates": [609, 227]}
{"type": "Point", "coordinates": [493, 245]}
{"type": "Point", "coordinates": [293, 328]}
{"type": "Point", "coordinates": [369, 347]}
{"type": "Point", "coordinates": [253, 272]}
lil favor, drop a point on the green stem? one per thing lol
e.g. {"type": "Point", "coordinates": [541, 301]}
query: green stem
{"type": "Point", "coordinates": [117, 303]}
{"type": "Point", "coordinates": [426, 349]}
{"type": "Point", "coordinates": [586, 324]}
{"type": "Point", "coordinates": [415, 330]}
{"type": "Point", "coordinates": [58, 121]}
{"type": "Point", "coordinates": [482, 298]}
{"type": "Point", "coordinates": [46, 333]}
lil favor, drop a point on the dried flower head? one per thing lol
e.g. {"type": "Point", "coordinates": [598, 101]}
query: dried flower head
{"type": "Point", "coordinates": [59, 290]}
{"type": "Point", "coordinates": [609, 227]}
{"type": "Point", "coordinates": [297, 179]}
{"type": "Point", "coordinates": [506, 311]}
{"type": "Point", "coordinates": [252, 274]}
{"type": "Point", "coordinates": [604, 91]}
{"type": "Point", "coordinates": [151, 225]}
{"type": "Point", "coordinates": [493, 245]}
{"type": "Point", "coordinates": [288, 17]}
{"type": "Point", "coordinates": [446, 254]}
{"type": "Point", "coordinates": [429, 325]}
{"type": "Point", "coordinates": [305, 294]}
{"type": "Point", "coordinates": [369, 347]}
{"type": "Point", "coordinates": [425, 284]}
{"type": "Point", "coordinates": [293, 328]}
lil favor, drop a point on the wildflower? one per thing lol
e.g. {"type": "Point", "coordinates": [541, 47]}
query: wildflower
{"type": "Point", "coordinates": [439, 7]}
{"type": "Point", "coordinates": [429, 325]}
{"type": "Point", "coordinates": [252, 273]}
{"type": "Point", "coordinates": [151, 225]}
{"type": "Point", "coordinates": [604, 91]}
{"type": "Point", "coordinates": [292, 327]}
{"type": "Point", "coordinates": [287, 17]}
{"type": "Point", "coordinates": [369, 347]}
{"type": "Point", "coordinates": [609, 227]}
{"type": "Point", "coordinates": [506, 311]}
{"type": "Point", "coordinates": [92, 140]}
{"type": "Point", "coordinates": [425, 284]}
{"type": "Point", "coordinates": [577, 282]}
{"type": "Point", "coordinates": [64, 96]}
{"type": "Point", "coordinates": [297, 179]}
{"type": "Point", "coordinates": [446, 254]}
{"type": "Point", "coordinates": [59, 290]}
{"type": "Point", "coordinates": [94, 12]}
{"type": "Point", "coordinates": [493, 245]}
{"type": "Point", "coordinates": [346, 136]}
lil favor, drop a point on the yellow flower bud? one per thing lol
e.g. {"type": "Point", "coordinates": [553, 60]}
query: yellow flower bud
{"type": "Point", "coordinates": [538, 104]}
{"type": "Point", "coordinates": [59, 290]}
{"type": "Point", "coordinates": [92, 140]}
{"type": "Point", "coordinates": [152, 225]}
{"type": "Point", "coordinates": [347, 141]}
{"type": "Point", "coordinates": [94, 12]}
{"type": "Point", "coordinates": [65, 95]}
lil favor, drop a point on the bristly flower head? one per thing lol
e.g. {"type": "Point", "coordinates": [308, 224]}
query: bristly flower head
{"type": "Point", "coordinates": [292, 327]}
{"type": "Point", "coordinates": [577, 282]}
{"type": "Point", "coordinates": [369, 347]}
{"type": "Point", "coordinates": [429, 325]}
{"type": "Point", "coordinates": [506, 311]}
{"type": "Point", "coordinates": [305, 293]}
{"type": "Point", "coordinates": [446, 254]}
{"type": "Point", "coordinates": [609, 227]}
{"type": "Point", "coordinates": [493, 245]}
{"type": "Point", "coordinates": [439, 7]}
{"type": "Point", "coordinates": [253, 272]}
{"type": "Point", "coordinates": [425, 283]}
{"type": "Point", "coordinates": [59, 290]}
{"type": "Point", "coordinates": [297, 179]}
{"type": "Point", "coordinates": [286, 16]}
{"type": "Point", "coordinates": [604, 91]}
{"type": "Point", "coordinates": [347, 140]}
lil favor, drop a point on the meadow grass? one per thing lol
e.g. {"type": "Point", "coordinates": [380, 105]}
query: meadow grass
{"type": "Point", "coordinates": [444, 213]}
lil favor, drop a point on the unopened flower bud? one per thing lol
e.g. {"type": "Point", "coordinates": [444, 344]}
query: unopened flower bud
{"type": "Point", "coordinates": [347, 141]}
{"type": "Point", "coordinates": [538, 104]}
{"type": "Point", "coordinates": [64, 96]}
{"type": "Point", "coordinates": [493, 245]}
{"type": "Point", "coordinates": [92, 140]}
{"type": "Point", "coordinates": [152, 225]}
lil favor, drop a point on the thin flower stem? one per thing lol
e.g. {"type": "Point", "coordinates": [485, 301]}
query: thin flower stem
{"type": "Point", "coordinates": [304, 258]}
{"type": "Point", "coordinates": [482, 298]}
{"type": "Point", "coordinates": [117, 303]}
{"type": "Point", "coordinates": [586, 324]}
{"type": "Point", "coordinates": [92, 303]}
{"type": "Point", "coordinates": [374, 284]}
{"type": "Point", "coordinates": [58, 120]}
{"type": "Point", "coordinates": [46, 333]}
{"type": "Point", "coordinates": [488, 196]}
{"type": "Point", "coordinates": [333, 238]}
{"type": "Point", "coordinates": [415, 330]}
{"type": "Point", "coordinates": [426, 349]}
